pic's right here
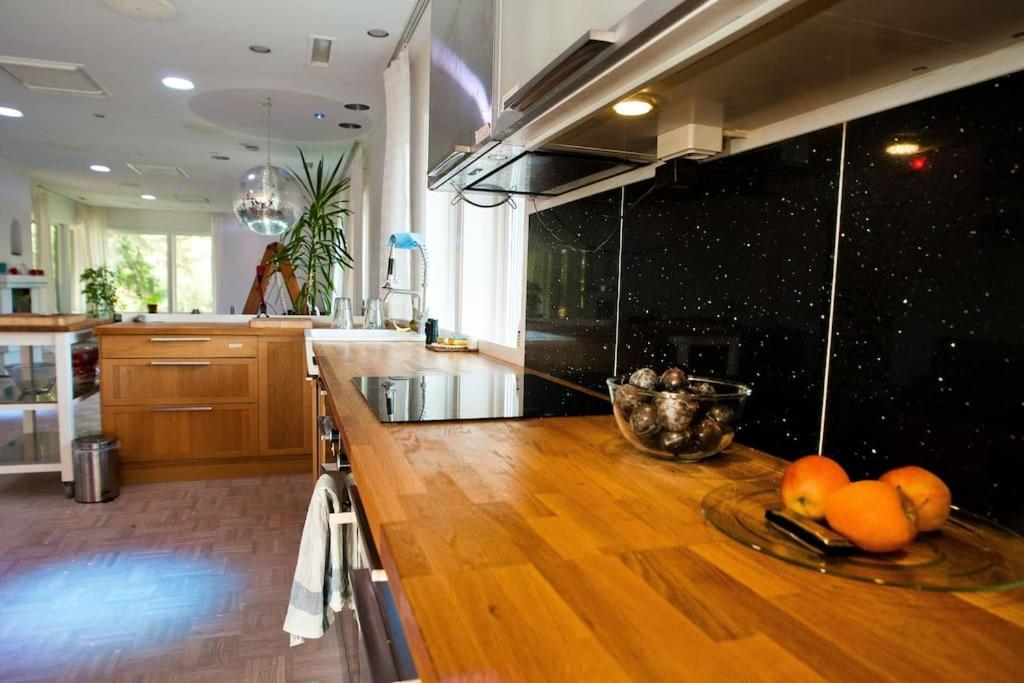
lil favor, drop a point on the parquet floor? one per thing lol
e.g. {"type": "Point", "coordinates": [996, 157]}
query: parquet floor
{"type": "Point", "coordinates": [170, 582]}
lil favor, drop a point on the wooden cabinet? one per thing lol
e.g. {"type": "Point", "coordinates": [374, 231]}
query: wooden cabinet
{"type": "Point", "coordinates": [154, 433]}
{"type": "Point", "coordinates": [223, 403]}
{"type": "Point", "coordinates": [285, 401]}
{"type": "Point", "coordinates": [133, 381]}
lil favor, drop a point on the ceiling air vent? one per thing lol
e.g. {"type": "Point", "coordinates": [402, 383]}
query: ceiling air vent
{"type": "Point", "coordinates": [158, 170]}
{"type": "Point", "coordinates": [191, 198]}
{"type": "Point", "coordinates": [320, 50]}
{"type": "Point", "coordinates": [47, 76]}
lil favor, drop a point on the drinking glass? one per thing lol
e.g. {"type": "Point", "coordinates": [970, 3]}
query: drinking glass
{"type": "Point", "coordinates": [341, 315]}
{"type": "Point", "coordinates": [374, 319]}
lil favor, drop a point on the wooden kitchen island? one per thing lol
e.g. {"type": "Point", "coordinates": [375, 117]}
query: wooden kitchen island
{"type": "Point", "coordinates": [205, 400]}
{"type": "Point", "coordinates": [549, 549]}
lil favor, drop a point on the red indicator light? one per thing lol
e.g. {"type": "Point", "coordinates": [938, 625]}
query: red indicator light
{"type": "Point", "coordinates": [918, 163]}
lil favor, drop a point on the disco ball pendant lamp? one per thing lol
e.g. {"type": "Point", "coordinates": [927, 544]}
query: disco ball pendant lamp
{"type": "Point", "coordinates": [268, 199]}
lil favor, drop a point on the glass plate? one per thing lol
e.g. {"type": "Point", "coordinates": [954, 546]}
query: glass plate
{"type": "Point", "coordinates": [969, 553]}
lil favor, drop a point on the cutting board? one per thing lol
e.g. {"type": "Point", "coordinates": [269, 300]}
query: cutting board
{"type": "Point", "coordinates": [282, 321]}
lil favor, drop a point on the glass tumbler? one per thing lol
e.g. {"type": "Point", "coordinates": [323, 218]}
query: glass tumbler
{"type": "Point", "coordinates": [374, 319]}
{"type": "Point", "coordinates": [341, 314]}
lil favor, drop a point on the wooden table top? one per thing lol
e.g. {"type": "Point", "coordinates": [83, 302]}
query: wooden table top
{"type": "Point", "coordinates": [126, 327]}
{"type": "Point", "coordinates": [59, 324]}
{"type": "Point", "coordinates": [549, 549]}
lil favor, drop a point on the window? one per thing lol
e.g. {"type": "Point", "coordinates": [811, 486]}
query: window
{"type": "Point", "coordinates": [193, 273]}
{"type": "Point", "coordinates": [476, 267]}
{"type": "Point", "coordinates": [173, 271]}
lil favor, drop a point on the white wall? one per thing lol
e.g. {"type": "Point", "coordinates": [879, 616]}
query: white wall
{"type": "Point", "coordinates": [15, 204]}
{"type": "Point", "coordinates": [236, 251]}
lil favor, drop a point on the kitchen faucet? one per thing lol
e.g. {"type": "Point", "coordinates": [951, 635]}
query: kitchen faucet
{"type": "Point", "coordinates": [408, 240]}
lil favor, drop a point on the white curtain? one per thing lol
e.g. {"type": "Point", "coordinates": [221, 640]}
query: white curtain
{"type": "Point", "coordinates": [395, 189]}
{"type": "Point", "coordinates": [89, 247]}
{"type": "Point", "coordinates": [351, 281]}
{"type": "Point", "coordinates": [41, 216]}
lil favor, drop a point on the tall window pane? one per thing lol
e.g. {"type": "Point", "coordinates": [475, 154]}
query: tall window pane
{"type": "Point", "coordinates": [193, 273]}
{"type": "Point", "coordinates": [140, 267]}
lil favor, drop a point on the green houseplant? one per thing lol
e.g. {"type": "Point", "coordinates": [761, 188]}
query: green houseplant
{"type": "Point", "coordinates": [100, 290]}
{"type": "Point", "coordinates": [317, 243]}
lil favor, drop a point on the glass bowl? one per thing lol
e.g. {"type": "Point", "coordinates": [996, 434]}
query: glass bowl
{"type": "Point", "coordinates": [688, 425]}
{"type": "Point", "coordinates": [37, 378]}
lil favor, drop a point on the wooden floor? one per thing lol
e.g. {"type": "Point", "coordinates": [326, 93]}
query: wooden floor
{"type": "Point", "coordinates": [170, 582]}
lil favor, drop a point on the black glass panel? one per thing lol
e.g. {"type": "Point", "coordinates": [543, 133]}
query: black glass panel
{"type": "Point", "coordinates": [727, 272]}
{"type": "Point", "coordinates": [550, 173]}
{"type": "Point", "coordinates": [427, 398]}
{"type": "Point", "coordinates": [571, 288]}
{"type": "Point", "coordinates": [929, 332]}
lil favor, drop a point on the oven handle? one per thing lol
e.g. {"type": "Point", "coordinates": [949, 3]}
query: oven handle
{"type": "Point", "coordinates": [372, 627]}
{"type": "Point", "coordinates": [375, 566]}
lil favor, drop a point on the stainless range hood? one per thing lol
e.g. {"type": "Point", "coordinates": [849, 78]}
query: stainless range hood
{"type": "Point", "coordinates": [724, 75]}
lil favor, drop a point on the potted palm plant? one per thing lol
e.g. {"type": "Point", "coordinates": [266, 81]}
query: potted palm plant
{"type": "Point", "coordinates": [317, 243]}
{"type": "Point", "coordinates": [100, 290]}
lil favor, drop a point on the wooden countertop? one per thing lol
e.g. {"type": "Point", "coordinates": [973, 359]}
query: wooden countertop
{"type": "Point", "coordinates": [194, 328]}
{"type": "Point", "coordinates": [549, 549]}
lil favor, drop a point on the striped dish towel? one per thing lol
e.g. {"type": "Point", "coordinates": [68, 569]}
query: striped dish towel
{"type": "Point", "coordinates": [317, 586]}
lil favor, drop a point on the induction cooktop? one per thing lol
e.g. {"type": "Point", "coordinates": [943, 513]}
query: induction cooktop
{"type": "Point", "coordinates": [430, 398]}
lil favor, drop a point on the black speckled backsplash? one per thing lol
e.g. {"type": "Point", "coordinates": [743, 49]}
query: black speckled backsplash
{"type": "Point", "coordinates": [726, 268]}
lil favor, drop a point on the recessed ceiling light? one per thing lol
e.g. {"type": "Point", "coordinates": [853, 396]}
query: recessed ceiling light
{"type": "Point", "coordinates": [902, 148]}
{"type": "Point", "coordinates": [11, 112]}
{"type": "Point", "coordinates": [377, 33]}
{"type": "Point", "coordinates": [497, 157]}
{"type": "Point", "coordinates": [100, 168]}
{"type": "Point", "coordinates": [260, 49]}
{"type": "Point", "coordinates": [148, 197]}
{"type": "Point", "coordinates": [220, 157]}
{"type": "Point", "coordinates": [634, 106]}
{"type": "Point", "coordinates": [251, 147]}
{"type": "Point", "coordinates": [100, 116]}
{"type": "Point", "coordinates": [350, 126]}
{"type": "Point", "coordinates": [319, 116]}
{"type": "Point", "coordinates": [178, 83]}
{"type": "Point", "coordinates": [356, 106]}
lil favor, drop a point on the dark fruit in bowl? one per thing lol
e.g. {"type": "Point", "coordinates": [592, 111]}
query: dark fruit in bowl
{"type": "Point", "coordinates": [675, 411]}
{"type": "Point", "coordinates": [645, 378]}
{"type": "Point", "coordinates": [702, 389]}
{"type": "Point", "coordinates": [690, 424]}
{"type": "Point", "coordinates": [644, 420]}
{"type": "Point", "coordinates": [673, 379]}
{"type": "Point", "coordinates": [675, 442]}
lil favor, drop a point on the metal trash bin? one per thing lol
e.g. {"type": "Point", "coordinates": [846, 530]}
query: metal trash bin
{"type": "Point", "coordinates": [96, 460]}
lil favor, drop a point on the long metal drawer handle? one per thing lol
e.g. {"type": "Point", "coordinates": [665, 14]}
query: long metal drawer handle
{"type": "Point", "coordinates": [180, 339]}
{"type": "Point", "coordinates": [184, 409]}
{"type": "Point", "coordinates": [179, 362]}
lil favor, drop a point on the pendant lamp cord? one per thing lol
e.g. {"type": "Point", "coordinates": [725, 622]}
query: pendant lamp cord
{"type": "Point", "coordinates": [267, 104]}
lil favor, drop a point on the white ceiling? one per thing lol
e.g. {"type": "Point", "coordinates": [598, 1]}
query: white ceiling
{"type": "Point", "coordinates": [206, 41]}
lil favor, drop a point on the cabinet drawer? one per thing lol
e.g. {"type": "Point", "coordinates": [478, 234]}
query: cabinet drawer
{"type": "Point", "coordinates": [179, 381]}
{"type": "Point", "coordinates": [183, 432]}
{"type": "Point", "coordinates": [178, 346]}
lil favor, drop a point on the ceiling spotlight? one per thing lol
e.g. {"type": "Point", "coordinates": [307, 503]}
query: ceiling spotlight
{"type": "Point", "coordinates": [100, 116]}
{"type": "Point", "coordinates": [902, 148]}
{"type": "Point", "coordinates": [148, 197]}
{"type": "Point", "coordinates": [349, 125]}
{"type": "Point", "coordinates": [319, 115]}
{"type": "Point", "coordinates": [260, 49]}
{"type": "Point", "coordinates": [178, 83]}
{"type": "Point", "coordinates": [634, 106]}
{"type": "Point", "coordinates": [497, 157]}
{"type": "Point", "coordinates": [220, 157]}
{"type": "Point", "coordinates": [356, 106]}
{"type": "Point", "coordinates": [377, 33]}
{"type": "Point", "coordinates": [251, 147]}
{"type": "Point", "coordinates": [11, 112]}
{"type": "Point", "coordinates": [100, 168]}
